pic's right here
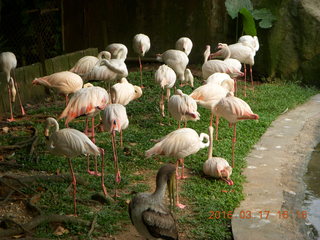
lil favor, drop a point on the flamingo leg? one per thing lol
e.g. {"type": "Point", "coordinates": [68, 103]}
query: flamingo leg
{"type": "Point", "coordinates": [178, 124]}
{"type": "Point", "coordinates": [121, 139]}
{"type": "Point", "coordinates": [235, 86]}
{"type": "Point", "coordinates": [92, 130]}
{"type": "Point", "coordinates": [116, 165]}
{"type": "Point", "coordinates": [178, 204]}
{"type": "Point", "coordinates": [88, 166]}
{"type": "Point", "coordinates": [210, 141]}
{"type": "Point", "coordinates": [86, 128]}
{"type": "Point", "coordinates": [162, 105]}
{"type": "Point", "coordinates": [234, 140]}
{"type": "Point", "coordinates": [102, 172]}
{"type": "Point", "coordinates": [185, 124]}
{"type": "Point", "coordinates": [251, 77]}
{"type": "Point", "coordinates": [74, 183]}
{"type": "Point", "coordinates": [217, 127]}
{"type": "Point", "coordinates": [245, 80]}
{"type": "Point", "coordinates": [20, 102]}
{"type": "Point", "coordinates": [67, 100]}
{"type": "Point", "coordinates": [140, 66]}
{"type": "Point", "coordinates": [11, 119]}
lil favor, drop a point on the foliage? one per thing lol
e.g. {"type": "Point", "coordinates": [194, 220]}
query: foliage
{"type": "Point", "coordinates": [244, 7]}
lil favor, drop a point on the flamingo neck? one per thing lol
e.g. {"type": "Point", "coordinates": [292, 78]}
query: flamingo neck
{"type": "Point", "coordinates": [201, 138]}
{"type": "Point", "coordinates": [227, 50]}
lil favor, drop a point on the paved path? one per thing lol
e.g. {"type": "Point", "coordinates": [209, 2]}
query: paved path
{"type": "Point", "coordinates": [274, 172]}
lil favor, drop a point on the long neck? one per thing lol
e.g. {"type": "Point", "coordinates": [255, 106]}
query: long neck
{"type": "Point", "coordinates": [228, 52]}
{"type": "Point", "coordinates": [204, 136]}
{"type": "Point", "coordinates": [160, 188]}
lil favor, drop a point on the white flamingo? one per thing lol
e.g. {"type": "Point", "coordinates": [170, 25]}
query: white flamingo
{"type": "Point", "coordinates": [8, 63]}
{"type": "Point", "coordinates": [86, 63]}
{"type": "Point", "coordinates": [87, 101]}
{"type": "Point", "coordinates": [141, 45]}
{"type": "Point", "coordinates": [71, 143]}
{"type": "Point", "coordinates": [222, 79]}
{"type": "Point", "coordinates": [124, 92]}
{"type": "Point", "coordinates": [182, 107]}
{"type": "Point", "coordinates": [166, 78]}
{"type": "Point", "coordinates": [177, 60]}
{"type": "Point", "coordinates": [114, 118]}
{"type": "Point", "coordinates": [63, 82]}
{"type": "Point", "coordinates": [184, 44]}
{"type": "Point", "coordinates": [178, 145]}
{"type": "Point", "coordinates": [117, 50]}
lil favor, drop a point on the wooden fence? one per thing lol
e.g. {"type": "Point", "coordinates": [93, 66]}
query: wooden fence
{"type": "Point", "coordinates": [25, 75]}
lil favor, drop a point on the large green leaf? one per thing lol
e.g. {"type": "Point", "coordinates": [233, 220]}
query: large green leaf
{"type": "Point", "coordinates": [234, 6]}
{"type": "Point", "coordinates": [265, 16]}
{"type": "Point", "coordinates": [249, 26]}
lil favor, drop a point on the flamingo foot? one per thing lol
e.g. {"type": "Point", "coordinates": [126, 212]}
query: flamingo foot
{"type": "Point", "coordinates": [23, 112]}
{"type": "Point", "coordinates": [182, 177]}
{"type": "Point", "coordinates": [96, 173]}
{"type": "Point", "coordinates": [11, 119]}
{"type": "Point", "coordinates": [180, 205]}
{"type": "Point", "coordinates": [104, 191]}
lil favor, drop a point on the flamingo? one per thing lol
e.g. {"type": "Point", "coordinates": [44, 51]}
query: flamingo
{"type": "Point", "coordinates": [114, 118]}
{"type": "Point", "coordinates": [179, 144]}
{"type": "Point", "coordinates": [148, 213]}
{"type": "Point", "coordinates": [216, 166]}
{"type": "Point", "coordinates": [124, 92]}
{"type": "Point", "coordinates": [107, 70]}
{"type": "Point", "coordinates": [241, 51]}
{"type": "Point", "coordinates": [141, 45]}
{"type": "Point", "coordinates": [222, 66]}
{"type": "Point", "coordinates": [87, 101]}
{"type": "Point", "coordinates": [233, 109]}
{"type": "Point", "coordinates": [86, 63]}
{"type": "Point", "coordinates": [71, 143]}
{"type": "Point", "coordinates": [206, 53]}
{"type": "Point", "coordinates": [184, 44]}
{"type": "Point", "coordinates": [117, 50]}
{"type": "Point", "coordinates": [182, 107]}
{"type": "Point", "coordinates": [63, 82]}
{"type": "Point", "coordinates": [222, 79]}
{"type": "Point", "coordinates": [177, 60]}
{"type": "Point", "coordinates": [248, 40]}
{"type": "Point", "coordinates": [166, 77]}
{"type": "Point", "coordinates": [8, 63]}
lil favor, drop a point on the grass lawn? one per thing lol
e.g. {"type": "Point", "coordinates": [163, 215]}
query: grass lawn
{"type": "Point", "coordinates": [201, 194]}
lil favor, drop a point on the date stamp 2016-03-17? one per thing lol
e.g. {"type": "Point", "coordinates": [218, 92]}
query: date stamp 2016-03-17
{"type": "Point", "coordinates": [265, 214]}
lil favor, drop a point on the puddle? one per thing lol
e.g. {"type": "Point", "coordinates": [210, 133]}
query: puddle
{"type": "Point", "coordinates": [312, 200]}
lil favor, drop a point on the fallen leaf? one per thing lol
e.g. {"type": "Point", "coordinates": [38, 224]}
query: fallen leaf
{"type": "Point", "coordinates": [18, 236]}
{"type": "Point", "coordinates": [5, 129]}
{"type": "Point", "coordinates": [60, 231]}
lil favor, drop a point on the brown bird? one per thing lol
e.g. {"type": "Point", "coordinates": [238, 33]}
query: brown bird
{"type": "Point", "coordinates": [149, 215]}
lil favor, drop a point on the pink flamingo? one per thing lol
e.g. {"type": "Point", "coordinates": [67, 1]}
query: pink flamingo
{"type": "Point", "coordinates": [233, 109]}
{"type": "Point", "coordinates": [87, 101]}
{"type": "Point", "coordinates": [182, 107]}
{"type": "Point", "coordinates": [117, 50]}
{"type": "Point", "coordinates": [124, 92]}
{"type": "Point", "coordinates": [179, 144]}
{"type": "Point", "coordinates": [114, 118]}
{"type": "Point", "coordinates": [63, 82]}
{"type": "Point", "coordinates": [141, 45]}
{"type": "Point", "coordinates": [8, 63]}
{"type": "Point", "coordinates": [71, 143]}
{"type": "Point", "coordinates": [86, 63]}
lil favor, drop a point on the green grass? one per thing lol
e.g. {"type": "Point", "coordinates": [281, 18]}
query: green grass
{"type": "Point", "coordinates": [201, 194]}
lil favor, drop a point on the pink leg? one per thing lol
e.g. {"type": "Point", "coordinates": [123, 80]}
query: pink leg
{"type": "Point", "coordinates": [11, 119]}
{"type": "Point", "coordinates": [87, 127]}
{"type": "Point", "coordinates": [245, 80]}
{"type": "Point", "coordinates": [178, 204]}
{"type": "Point", "coordinates": [102, 172]}
{"type": "Point", "coordinates": [162, 105]}
{"type": "Point", "coordinates": [251, 77]}
{"type": "Point", "coordinates": [235, 86]}
{"type": "Point", "coordinates": [217, 127]}
{"type": "Point", "coordinates": [22, 109]}
{"type": "Point", "coordinates": [121, 140]}
{"type": "Point", "coordinates": [234, 139]}
{"type": "Point", "coordinates": [92, 130]}
{"type": "Point", "coordinates": [67, 100]}
{"type": "Point", "coordinates": [182, 171]}
{"type": "Point", "coordinates": [178, 124]}
{"type": "Point", "coordinates": [140, 66]}
{"type": "Point", "coordinates": [115, 159]}
{"type": "Point", "coordinates": [74, 183]}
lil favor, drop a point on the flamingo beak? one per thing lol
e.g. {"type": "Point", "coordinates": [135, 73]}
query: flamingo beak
{"type": "Point", "coordinates": [171, 190]}
{"type": "Point", "coordinates": [228, 181]}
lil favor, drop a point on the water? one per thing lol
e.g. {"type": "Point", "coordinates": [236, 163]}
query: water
{"type": "Point", "coordinates": [312, 200]}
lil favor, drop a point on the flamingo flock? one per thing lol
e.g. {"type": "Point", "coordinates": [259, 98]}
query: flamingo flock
{"type": "Point", "coordinates": [216, 95]}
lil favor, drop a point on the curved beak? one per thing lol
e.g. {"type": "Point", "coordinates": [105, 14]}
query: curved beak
{"type": "Point", "coordinates": [171, 190]}
{"type": "Point", "coordinates": [228, 181]}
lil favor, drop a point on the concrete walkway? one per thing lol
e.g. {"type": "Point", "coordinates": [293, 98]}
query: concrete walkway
{"type": "Point", "coordinates": [274, 172]}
